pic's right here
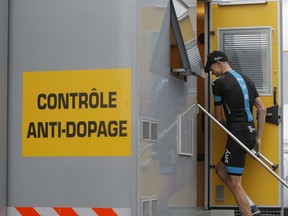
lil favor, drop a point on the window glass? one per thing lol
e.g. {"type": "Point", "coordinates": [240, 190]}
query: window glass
{"type": "Point", "coordinates": [249, 52]}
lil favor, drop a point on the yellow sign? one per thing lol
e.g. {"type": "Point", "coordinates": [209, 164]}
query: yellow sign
{"type": "Point", "coordinates": [77, 113]}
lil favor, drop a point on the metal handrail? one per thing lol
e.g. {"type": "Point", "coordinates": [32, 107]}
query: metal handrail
{"type": "Point", "coordinates": [243, 146]}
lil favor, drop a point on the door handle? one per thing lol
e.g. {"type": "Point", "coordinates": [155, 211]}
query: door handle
{"type": "Point", "coordinates": [272, 115]}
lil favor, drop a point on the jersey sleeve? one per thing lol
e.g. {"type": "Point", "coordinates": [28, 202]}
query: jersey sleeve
{"type": "Point", "coordinates": [216, 88]}
{"type": "Point", "coordinates": [256, 94]}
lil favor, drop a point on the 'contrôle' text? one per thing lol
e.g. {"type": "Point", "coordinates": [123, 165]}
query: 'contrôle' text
{"type": "Point", "coordinates": [77, 100]}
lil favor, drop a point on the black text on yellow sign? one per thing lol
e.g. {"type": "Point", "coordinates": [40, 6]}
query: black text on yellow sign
{"type": "Point", "coordinates": [77, 113]}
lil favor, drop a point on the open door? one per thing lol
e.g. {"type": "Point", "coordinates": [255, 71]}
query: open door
{"type": "Point", "coordinates": [248, 33]}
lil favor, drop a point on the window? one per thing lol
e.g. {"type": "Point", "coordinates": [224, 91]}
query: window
{"type": "Point", "coordinates": [185, 133]}
{"type": "Point", "coordinates": [185, 57]}
{"type": "Point", "coordinates": [149, 130]}
{"type": "Point", "coordinates": [249, 52]}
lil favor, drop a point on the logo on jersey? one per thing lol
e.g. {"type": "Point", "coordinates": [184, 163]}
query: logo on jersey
{"type": "Point", "coordinates": [227, 108]}
{"type": "Point", "coordinates": [251, 129]}
{"type": "Point", "coordinates": [227, 154]}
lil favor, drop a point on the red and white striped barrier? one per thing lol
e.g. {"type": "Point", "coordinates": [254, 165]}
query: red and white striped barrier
{"type": "Point", "coordinates": [66, 211]}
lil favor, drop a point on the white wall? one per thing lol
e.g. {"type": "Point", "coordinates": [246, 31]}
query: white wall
{"type": "Point", "coordinates": [66, 35]}
{"type": "Point", "coordinates": [3, 102]}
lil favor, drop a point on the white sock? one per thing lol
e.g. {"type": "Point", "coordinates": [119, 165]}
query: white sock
{"type": "Point", "coordinates": [250, 201]}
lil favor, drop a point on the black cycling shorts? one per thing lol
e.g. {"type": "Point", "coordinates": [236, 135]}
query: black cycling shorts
{"type": "Point", "coordinates": [234, 155]}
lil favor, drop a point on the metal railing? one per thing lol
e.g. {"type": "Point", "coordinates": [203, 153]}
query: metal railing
{"type": "Point", "coordinates": [253, 154]}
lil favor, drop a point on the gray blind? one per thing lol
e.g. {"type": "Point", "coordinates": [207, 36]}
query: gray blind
{"type": "Point", "coordinates": [249, 52]}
